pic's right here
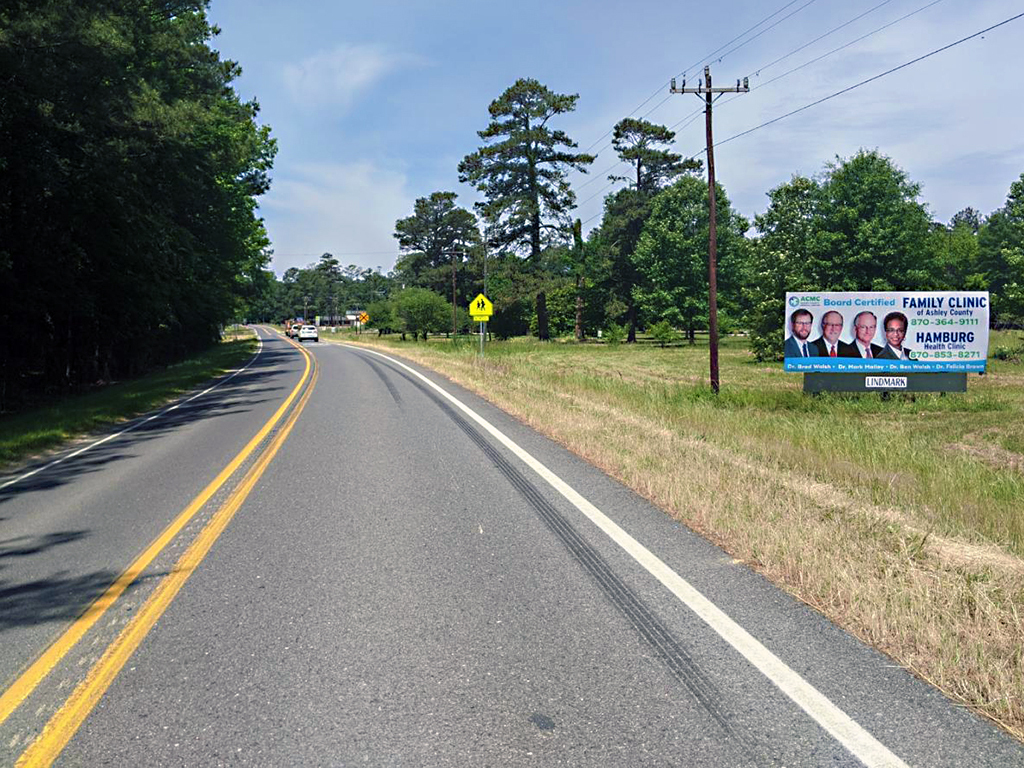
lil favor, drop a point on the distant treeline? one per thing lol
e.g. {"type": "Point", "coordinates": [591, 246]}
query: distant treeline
{"type": "Point", "coordinates": [859, 225]}
{"type": "Point", "coordinates": [129, 170]}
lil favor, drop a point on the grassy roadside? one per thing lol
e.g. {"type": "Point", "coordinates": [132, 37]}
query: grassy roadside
{"type": "Point", "coordinates": [899, 519]}
{"type": "Point", "coordinates": [26, 434]}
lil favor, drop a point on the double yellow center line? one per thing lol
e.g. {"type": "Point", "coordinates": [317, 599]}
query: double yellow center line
{"type": "Point", "coordinates": [63, 725]}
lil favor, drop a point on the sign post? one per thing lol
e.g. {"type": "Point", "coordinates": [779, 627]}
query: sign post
{"type": "Point", "coordinates": [481, 309]}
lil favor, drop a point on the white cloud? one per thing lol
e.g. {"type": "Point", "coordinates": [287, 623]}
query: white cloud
{"type": "Point", "coordinates": [336, 77]}
{"type": "Point", "coordinates": [347, 209]}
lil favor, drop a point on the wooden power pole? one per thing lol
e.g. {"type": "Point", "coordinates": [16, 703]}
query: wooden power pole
{"type": "Point", "coordinates": [704, 88]}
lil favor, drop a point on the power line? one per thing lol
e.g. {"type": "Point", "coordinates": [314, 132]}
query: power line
{"type": "Point", "coordinates": [825, 55]}
{"type": "Point", "coordinates": [690, 118]}
{"type": "Point", "coordinates": [820, 37]}
{"type": "Point", "coordinates": [733, 50]}
{"type": "Point", "coordinates": [872, 79]}
{"type": "Point", "coordinates": [697, 64]}
{"type": "Point", "coordinates": [847, 45]}
{"type": "Point", "coordinates": [597, 176]}
{"type": "Point", "coordinates": [696, 113]}
{"type": "Point", "coordinates": [719, 59]}
{"type": "Point", "coordinates": [693, 116]}
{"type": "Point", "coordinates": [711, 55]}
{"type": "Point", "coordinates": [602, 189]}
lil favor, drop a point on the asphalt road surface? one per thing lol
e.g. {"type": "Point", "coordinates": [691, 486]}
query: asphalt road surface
{"type": "Point", "coordinates": [334, 558]}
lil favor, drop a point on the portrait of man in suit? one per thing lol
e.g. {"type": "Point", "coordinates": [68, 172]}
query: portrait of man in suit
{"type": "Point", "coordinates": [895, 328]}
{"type": "Point", "coordinates": [831, 330]}
{"type": "Point", "coordinates": [864, 325]}
{"type": "Point", "coordinates": [800, 323]}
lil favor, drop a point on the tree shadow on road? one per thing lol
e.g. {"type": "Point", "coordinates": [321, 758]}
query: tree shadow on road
{"type": "Point", "coordinates": [231, 397]}
{"type": "Point", "coordinates": [23, 546]}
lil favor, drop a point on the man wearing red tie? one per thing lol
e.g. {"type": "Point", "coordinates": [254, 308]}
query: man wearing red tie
{"type": "Point", "coordinates": [864, 326]}
{"type": "Point", "coordinates": [831, 329]}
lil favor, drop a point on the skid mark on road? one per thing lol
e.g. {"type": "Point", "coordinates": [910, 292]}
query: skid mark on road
{"type": "Point", "coordinates": [387, 382]}
{"type": "Point", "coordinates": [666, 647]}
{"type": "Point", "coordinates": [839, 725]}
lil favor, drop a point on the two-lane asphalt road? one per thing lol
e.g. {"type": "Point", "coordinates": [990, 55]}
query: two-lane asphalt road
{"type": "Point", "coordinates": [400, 574]}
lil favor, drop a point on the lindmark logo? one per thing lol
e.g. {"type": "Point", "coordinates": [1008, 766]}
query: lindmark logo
{"type": "Point", "coordinates": [885, 382]}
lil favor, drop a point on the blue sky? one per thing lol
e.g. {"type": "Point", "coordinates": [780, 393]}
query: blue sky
{"type": "Point", "coordinates": [374, 104]}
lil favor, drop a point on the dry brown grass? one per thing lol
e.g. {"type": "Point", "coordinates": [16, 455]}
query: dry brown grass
{"type": "Point", "coordinates": [851, 509]}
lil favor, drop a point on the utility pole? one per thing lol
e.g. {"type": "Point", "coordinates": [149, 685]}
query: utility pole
{"type": "Point", "coordinates": [454, 254]}
{"type": "Point", "coordinates": [704, 88]}
{"type": "Point", "coordinates": [577, 244]}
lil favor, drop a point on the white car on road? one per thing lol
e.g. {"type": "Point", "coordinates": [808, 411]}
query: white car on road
{"type": "Point", "coordinates": [309, 332]}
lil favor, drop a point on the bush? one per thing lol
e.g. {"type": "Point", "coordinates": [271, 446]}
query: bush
{"type": "Point", "coordinates": [766, 345]}
{"type": "Point", "coordinates": [614, 333]}
{"type": "Point", "coordinates": [421, 311]}
{"type": "Point", "coordinates": [663, 333]}
{"type": "Point", "coordinates": [1011, 354]}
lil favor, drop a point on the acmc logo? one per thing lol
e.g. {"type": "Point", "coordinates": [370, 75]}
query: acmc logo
{"type": "Point", "coordinates": [794, 301]}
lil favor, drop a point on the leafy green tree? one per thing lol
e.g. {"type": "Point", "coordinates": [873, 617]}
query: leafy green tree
{"type": "Point", "coordinates": [438, 233]}
{"type": "Point", "coordinates": [521, 171]}
{"type": "Point", "coordinates": [421, 311]}
{"type": "Point", "coordinates": [870, 230]}
{"type": "Point", "coordinates": [966, 217]}
{"type": "Point", "coordinates": [672, 256]}
{"type": "Point", "coordinates": [777, 261]}
{"type": "Point", "coordinates": [614, 334]}
{"type": "Point", "coordinates": [1001, 257]}
{"type": "Point", "coordinates": [589, 266]}
{"type": "Point", "coordinates": [861, 228]}
{"type": "Point", "coordinates": [567, 304]}
{"type": "Point", "coordinates": [371, 285]}
{"type": "Point", "coordinates": [382, 316]}
{"type": "Point", "coordinates": [261, 301]}
{"type": "Point", "coordinates": [953, 252]}
{"type": "Point", "coordinates": [643, 145]}
{"type": "Point", "coordinates": [625, 213]}
{"type": "Point", "coordinates": [130, 172]}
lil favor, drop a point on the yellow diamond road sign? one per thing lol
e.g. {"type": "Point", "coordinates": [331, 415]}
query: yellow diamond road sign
{"type": "Point", "coordinates": [481, 309]}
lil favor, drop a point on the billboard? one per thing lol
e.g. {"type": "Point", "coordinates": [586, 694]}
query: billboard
{"type": "Point", "coordinates": [886, 332]}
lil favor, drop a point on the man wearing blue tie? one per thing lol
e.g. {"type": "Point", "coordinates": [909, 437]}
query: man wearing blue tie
{"type": "Point", "coordinates": [796, 345]}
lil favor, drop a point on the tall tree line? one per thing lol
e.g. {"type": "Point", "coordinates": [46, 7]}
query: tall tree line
{"type": "Point", "coordinates": [859, 224]}
{"type": "Point", "coordinates": [129, 172]}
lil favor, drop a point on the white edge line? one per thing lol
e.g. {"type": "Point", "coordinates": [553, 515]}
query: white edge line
{"type": "Point", "coordinates": [90, 446]}
{"type": "Point", "coordinates": [841, 726]}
